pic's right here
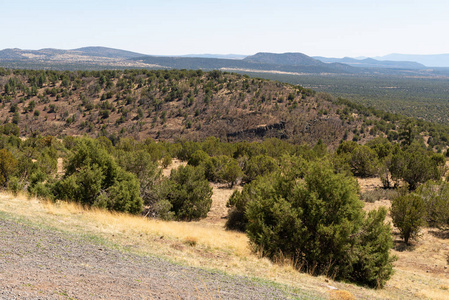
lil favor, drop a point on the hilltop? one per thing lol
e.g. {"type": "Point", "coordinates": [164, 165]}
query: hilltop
{"type": "Point", "coordinates": [185, 104]}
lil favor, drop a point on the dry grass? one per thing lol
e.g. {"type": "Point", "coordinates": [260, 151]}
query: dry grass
{"type": "Point", "coordinates": [174, 165]}
{"type": "Point", "coordinates": [205, 244]}
{"type": "Point", "coordinates": [341, 295]}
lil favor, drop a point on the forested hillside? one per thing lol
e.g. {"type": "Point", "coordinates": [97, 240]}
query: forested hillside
{"type": "Point", "coordinates": [193, 105]}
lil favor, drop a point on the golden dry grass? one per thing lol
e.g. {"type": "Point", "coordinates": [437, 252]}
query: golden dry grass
{"type": "Point", "coordinates": [204, 244]}
{"type": "Point", "coordinates": [174, 165]}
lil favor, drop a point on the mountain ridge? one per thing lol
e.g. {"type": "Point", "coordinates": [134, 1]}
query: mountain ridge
{"type": "Point", "coordinates": [429, 60]}
{"type": "Point", "coordinates": [372, 63]}
{"type": "Point", "coordinates": [101, 58]}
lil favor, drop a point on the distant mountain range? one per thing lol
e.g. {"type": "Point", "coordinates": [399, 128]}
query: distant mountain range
{"type": "Point", "coordinates": [82, 58]}
{"type": "Point", "coordinates": [222, 56]}
{"type": "Point", "coordinates": [431, 60]}
{"type": "Point", "coordinates": [373, 63]}
{"type": "Point", "coordinates": [288, 62]}
{"type": "Point", "coordinates": [95, 58]}
{"type": "Point", "coordinates": [56, 54]}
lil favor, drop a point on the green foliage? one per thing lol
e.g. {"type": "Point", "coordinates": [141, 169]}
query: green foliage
{"type": "Point", "coordinates": [141, 164]}
{"type": "Point", "coordinates": [415, 165]}
{"type": "Point", "coordinates": [259, 165]}
{"type": "Point", "coordinates": [188, 192]}
{"type": "Point", "coordinates": [408, 213]}
{"type": "Point", "coordinates": [93, 178]}
{"type": "Point", "coordinates": [198, 157]}
{"type": "Point", "coordinates": [222, 169]}
{"type": "Point", "coordinates": [166, 160]}
{"type": "Point", "coordinates": [435, 195]}
{"type": "Point", "coordinates": [10, 129]}
{"type": "Point", "coordinates": [14, 185]}
{"type": "Point", "coordinates": [320, 224]}
{"type": "Point", "coordinates": [362, 160]}
{"type": "Point", "coordinates": [8, 165]}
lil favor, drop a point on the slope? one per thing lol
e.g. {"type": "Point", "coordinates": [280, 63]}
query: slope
{"type": "Point", "coordinates": [182, 104]}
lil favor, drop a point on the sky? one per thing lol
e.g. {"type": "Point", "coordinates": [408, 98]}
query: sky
{"type": "Point", "coordinates": [332, 28]}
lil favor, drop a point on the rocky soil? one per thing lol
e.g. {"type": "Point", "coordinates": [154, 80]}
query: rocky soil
{"type": "Point", "coordinates": [42, 263]}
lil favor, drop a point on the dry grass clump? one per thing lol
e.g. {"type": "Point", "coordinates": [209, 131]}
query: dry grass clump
{"type": "Point", "coordinates": [190, 241]}
{"type": "Point", "coordinates": [341, 295]}
{"type": "Point", "coordinates": [377, 194]}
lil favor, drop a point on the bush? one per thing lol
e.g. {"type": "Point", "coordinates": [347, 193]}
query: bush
{"type": "Point", "coordinates": [415, 166]}
{"type": "Point", "coordinates": [222, 169]}
{"type": "Point", "coordinates": [258, 166]}
{"type": "Point", "coordinates": [318, 222]}
{"type": "Point", "coordinates": [198, 157]}
{"type": "Point", "coordinates": [435, 195]}
{"type": "Point", "coordinates": [10, 129]}
{"type": "Point", "coordinates": [7, 166]}
{"type": "Point", "coordinates": [252, 192]}
{"type": "Point", "coordinates": [93, 178]}
{"type": "Point", "coordinates": [363, 161]}
{"type": "Point", "coordinates": [292, 168]}
{"type": "Point", "coordinates": [188, 192]}
{"type": "Point", "coordinates": [141, 164]}
{"type": "Point", "coordinates": [41, 190]}
{"type": "Point", "coordinates": [408, 214]}
{"type": "Point", "coordinates": [14, 185]}
{"type": "Point", "coordinates": [167, 160]}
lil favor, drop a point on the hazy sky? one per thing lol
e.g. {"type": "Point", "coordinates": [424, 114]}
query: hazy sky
{"type": "Point", "coordinates": [334, 28]}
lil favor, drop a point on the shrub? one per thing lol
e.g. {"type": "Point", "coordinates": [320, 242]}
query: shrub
{"type": "Point", "coordinates": [10, 129]}
{"type": "Point", "coordinates": [408, 214]}
{"type": "Point", "coordinates": [222, 169]}
{"type": "Point", "coordinates": [188, 192]}
{"type": "Point", "coordinates": [93, 178]}
{"type": "Point", "coordinates": [41, 190]}
{"type": "Point", "coordinates": [415, 166]}
{"type": "Point", "coordinates": [318, 222]}
{"type": "Point", "coordinates": [257, 166]}
{"type": "Point", "coordinates": [166, 160]}
{"type": "Point", "coordinates": [8, 165]}
{"type": "Point", "coordinates": [362, 160]}
{"type": "Point", "coordinates": [435, 195]}
{"type": "Point", "coordinates": [292, 168]}
{"type": "Point", "coordinates": [141, 164]}
{"type": "Point", "coordinates": [198, 157]}
{"type": "Point", "coordinates": [14, 185]}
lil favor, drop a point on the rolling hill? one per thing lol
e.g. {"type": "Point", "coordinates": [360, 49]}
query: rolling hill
{"type": "Point", "coordinates": [183, 104]}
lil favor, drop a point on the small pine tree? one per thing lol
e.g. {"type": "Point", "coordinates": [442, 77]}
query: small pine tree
{"type": "Point", "coordinates": [408, 214]}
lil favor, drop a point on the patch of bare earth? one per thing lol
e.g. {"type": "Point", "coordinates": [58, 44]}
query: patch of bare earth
{"type": "Point", "coordinates": [218, 210]}
{"type": "Point", "coordinates": [369, 184]}
{"type": "Point", "coordinates": [60, 166]}
{"type": "Point", "coordinates": [174, 165]}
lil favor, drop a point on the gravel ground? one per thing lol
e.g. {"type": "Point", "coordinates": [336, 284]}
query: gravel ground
{"type": "Point", "coordinates": [38, 263]}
